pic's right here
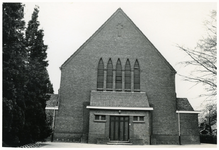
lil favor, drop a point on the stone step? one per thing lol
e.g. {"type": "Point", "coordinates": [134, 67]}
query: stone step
{"type": "Point", "coordinates": [119, 143]}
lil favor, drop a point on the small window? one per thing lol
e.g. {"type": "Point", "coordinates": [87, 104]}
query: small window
{"type": "Point", "coordinates": [103, 117]}
{"type": "Point", "coordinates": [135, 118]}
{"type": "Point", "coordinates": [100, 117]}
{"type": "Point", "coordinates": [97, 117]}
{"type": "Point", "coordinates": [141, 118]}
{"type": "Point", "coordinates": [138, 118]}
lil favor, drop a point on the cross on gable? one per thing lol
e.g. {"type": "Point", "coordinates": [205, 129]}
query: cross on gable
{"type": "Point", "coordinates": [119, 28]}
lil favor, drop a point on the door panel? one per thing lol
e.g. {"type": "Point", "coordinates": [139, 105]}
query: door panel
{"type": "Point", "coordinates": [116, 128]}
{"type": "Point", "coordinates": [126, 127]}
{"type": "Point", "coordinates": [119, 128]}
{"type": "Point", "coordinates": [121, 133]}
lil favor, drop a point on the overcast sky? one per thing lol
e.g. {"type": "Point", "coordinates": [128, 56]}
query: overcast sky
{"type": "Point", "coordinates": [68, 25]}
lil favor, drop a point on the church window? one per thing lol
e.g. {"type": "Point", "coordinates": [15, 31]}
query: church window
{"type": "Point", "coordinates": [136, 76]}
{"type": "Point", "coordinates": [109, 77]}
{"type": "Point", "coordinates": [118, 75]}
{"type": "Point", "coordinates": [100, 74]}
{"type": "Point", "coordinates": [127, 76]}
{"type": "Point", "coordinates": [117, 79]}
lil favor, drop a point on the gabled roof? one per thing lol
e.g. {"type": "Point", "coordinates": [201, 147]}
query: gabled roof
{"type": "Point", "coordinates": [119, 10]}
{"type": "Point", "coordinates": [118, 99]}
{"type": "Point", "coordinates": [183, 104]}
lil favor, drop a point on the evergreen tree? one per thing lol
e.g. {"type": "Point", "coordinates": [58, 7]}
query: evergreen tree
{"type": "Point", "coordinates": [25, 78]}
{"type": "Point", "coordinates": [38, 81]}
{"type": "Point", "coordinates": [14, 73]}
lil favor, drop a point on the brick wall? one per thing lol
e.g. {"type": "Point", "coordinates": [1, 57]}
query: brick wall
{"type": "Point", "coordinates": [79, 77]}
{"type": "Point", "coordinates": [189, 129]}
{"type": "Point", "coordinates": [139, 132]}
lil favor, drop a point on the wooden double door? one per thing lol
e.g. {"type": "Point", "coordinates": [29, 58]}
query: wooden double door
{"type": "Point", "coordinates": [119, 128]}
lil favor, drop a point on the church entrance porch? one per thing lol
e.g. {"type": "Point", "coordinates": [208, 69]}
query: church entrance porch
{"type": "Point", "coordinates": [123, 117]}
{"type": "Point", "coordinates": [119, 128]}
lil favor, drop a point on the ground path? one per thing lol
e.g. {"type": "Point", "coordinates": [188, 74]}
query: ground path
{"type": "Point", "coordinates": [85, 145]}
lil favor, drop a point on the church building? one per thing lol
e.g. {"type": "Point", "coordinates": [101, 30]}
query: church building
{"type": "Point", "coordinates": [117, 88]}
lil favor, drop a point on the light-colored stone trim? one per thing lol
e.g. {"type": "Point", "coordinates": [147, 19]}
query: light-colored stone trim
{"type": "Point", "coordinates": [188, 112]}
{"type": "Point", "coordinates": [51, 108]}
{"type": "Point", "coordinates": [120, 108]}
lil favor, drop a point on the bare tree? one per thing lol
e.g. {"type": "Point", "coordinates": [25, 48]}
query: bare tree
{"type": "Point", "coordinates": [203, 58]}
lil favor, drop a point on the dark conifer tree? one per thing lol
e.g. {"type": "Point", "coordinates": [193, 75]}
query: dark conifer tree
{"type": "Point", "coordinates": [38, 83]}
{"type": "Point", "coordinates": [14, 73]}
{"type": "Point", "coordinates": [25, 78]}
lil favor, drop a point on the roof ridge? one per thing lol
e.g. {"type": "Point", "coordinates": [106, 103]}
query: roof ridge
{"type": "Point", "coordinates": [158, 52]}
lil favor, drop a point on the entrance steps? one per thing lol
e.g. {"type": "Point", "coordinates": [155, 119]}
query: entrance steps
{"type": "Point", "coordinates": [119, 143]}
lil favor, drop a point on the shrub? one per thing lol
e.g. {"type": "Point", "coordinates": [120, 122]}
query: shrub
{"type": "Point", "coordinates": [208, 139]}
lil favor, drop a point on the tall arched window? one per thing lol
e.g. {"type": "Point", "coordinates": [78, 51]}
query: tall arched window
{"type": "Point", "coordinates": [109, 75]}
{"type": "Point", "coordinates": [127, 75]}
{"type": "Point", "coordinates": [136, 76]}
{"type": "Point", "coordinates": [100, 74]}
{"type": "Point", "coordinates": [118, 75]}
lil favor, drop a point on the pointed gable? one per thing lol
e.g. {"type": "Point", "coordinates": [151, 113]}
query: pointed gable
{"type": "Point", "coordinates": [120, 22]}
{"type": "Point", "coordinates": [118, 71]}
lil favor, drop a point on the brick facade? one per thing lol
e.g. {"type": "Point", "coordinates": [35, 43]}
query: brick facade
{"type": "Point", "coordinates": [117, 38]}
{"type": "Point", "coordinates": [189, 131]}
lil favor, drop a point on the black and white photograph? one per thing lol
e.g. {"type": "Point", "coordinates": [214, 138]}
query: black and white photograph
{"type": "Point", "coordinates": [110, 74]}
